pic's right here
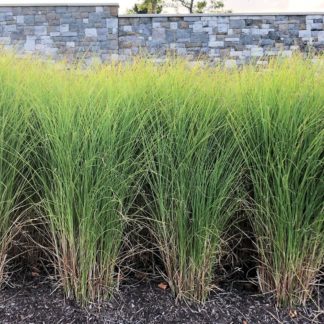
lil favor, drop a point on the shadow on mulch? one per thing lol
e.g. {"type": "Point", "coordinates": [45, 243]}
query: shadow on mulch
{"type": "Point", "coordinates": [37, 301]}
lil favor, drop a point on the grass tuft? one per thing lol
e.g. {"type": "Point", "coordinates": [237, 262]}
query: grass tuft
{"type": "Point", "coordinates": [279, 125]}
{"type": "Point", "coordinates": [193, 170]}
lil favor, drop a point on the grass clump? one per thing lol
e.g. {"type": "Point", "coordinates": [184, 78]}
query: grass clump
{"type": "Point", "coordinates": [279, 124]}
{"type": "Point", "coordinates": [85, 172]}
{"type": "Point", "coordinates": [193, 173]}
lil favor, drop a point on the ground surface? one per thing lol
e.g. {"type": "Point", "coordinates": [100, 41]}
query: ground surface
{"type": "Point", "coordinates": [37, 301]}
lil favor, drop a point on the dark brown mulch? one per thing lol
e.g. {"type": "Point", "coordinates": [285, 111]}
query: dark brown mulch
{"type": "Point", "coordinates": [37, 301]}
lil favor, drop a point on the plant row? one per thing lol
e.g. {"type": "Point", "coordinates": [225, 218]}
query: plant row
{"type": "Point", "coordinates": [177, 157]}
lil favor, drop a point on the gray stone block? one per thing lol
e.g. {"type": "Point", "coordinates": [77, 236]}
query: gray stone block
{"type": "Point", "coordinates": [171, 36]}
{"type": "Point", "coordinates": [267, 42]}
{"type": "Point", "coordinates": [158, 34]}
{"type": "Point", "coordinates": [29, 20]}
{"type": "Point", "coordinates": [183, 35]}
{"type": "Point", "coordinates": [90, 32]}
{"type": "Point", "coordinates": [188, 18]}
{"type": "Point", "coordinates": [40, 19]}
{"type": "Point", "coordinates": [40, 30]}
{"type": "Point", "coordinates": [199, 37]}
{"type": "Point", "coordinates": [237, 23]}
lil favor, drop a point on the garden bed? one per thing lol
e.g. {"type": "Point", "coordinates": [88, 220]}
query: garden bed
{"type": "Point", "coordinates": [192, 173]}
{"type": "Point", "coordinates": [36, 300]}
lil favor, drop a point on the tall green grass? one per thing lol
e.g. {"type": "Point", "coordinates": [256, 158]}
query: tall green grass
{"type": "Point", "coordinates": [184, 151]}
{"type": "Point", "coordinates": [279, 124]}
{"type": "Point", "coordinates": [193, 170]}
{"type": "Point", "coordinates": [14, 150]}
{"type": "Point", "coordinates": [85, 173]}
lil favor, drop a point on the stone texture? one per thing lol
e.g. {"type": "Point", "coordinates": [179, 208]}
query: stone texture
{"type": "Point", "coordinates": [97, 31]}
{"type": "Point", "coordinates": [61, 31]}
{"type": "Point", "coordinates": [240, 38]}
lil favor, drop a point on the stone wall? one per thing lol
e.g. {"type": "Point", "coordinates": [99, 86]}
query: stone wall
{"type": "Point", "coordinates": [234, 38]}
{"type": "Point", "coordinates": [60, 31]}
{"type": "Point", "coordinates": [72, 31]}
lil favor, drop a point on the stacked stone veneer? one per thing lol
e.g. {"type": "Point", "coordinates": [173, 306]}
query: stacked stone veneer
{"type": "Point", "coordinates": [61, 31]}
{"type": "Point", "coordinates": [235, 38]}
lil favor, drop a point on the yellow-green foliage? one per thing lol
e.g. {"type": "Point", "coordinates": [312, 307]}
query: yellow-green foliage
{"type": "Point", "coordinates": [188, 148]}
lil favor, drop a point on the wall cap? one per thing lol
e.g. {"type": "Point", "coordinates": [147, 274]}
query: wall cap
{"type": "Point", "coordinates": [61, 4]}
{"type": "Point", "coordinates": [224, 14]}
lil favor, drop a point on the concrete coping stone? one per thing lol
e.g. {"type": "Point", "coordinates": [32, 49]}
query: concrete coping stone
{"type": "Point", "coordinates": [224, 14]}
{"type": "Point", "coordinates": [61, 4]}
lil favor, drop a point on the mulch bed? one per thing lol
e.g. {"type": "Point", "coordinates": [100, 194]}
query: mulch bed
{"type": "Point", "coordinates": [37, 301]}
